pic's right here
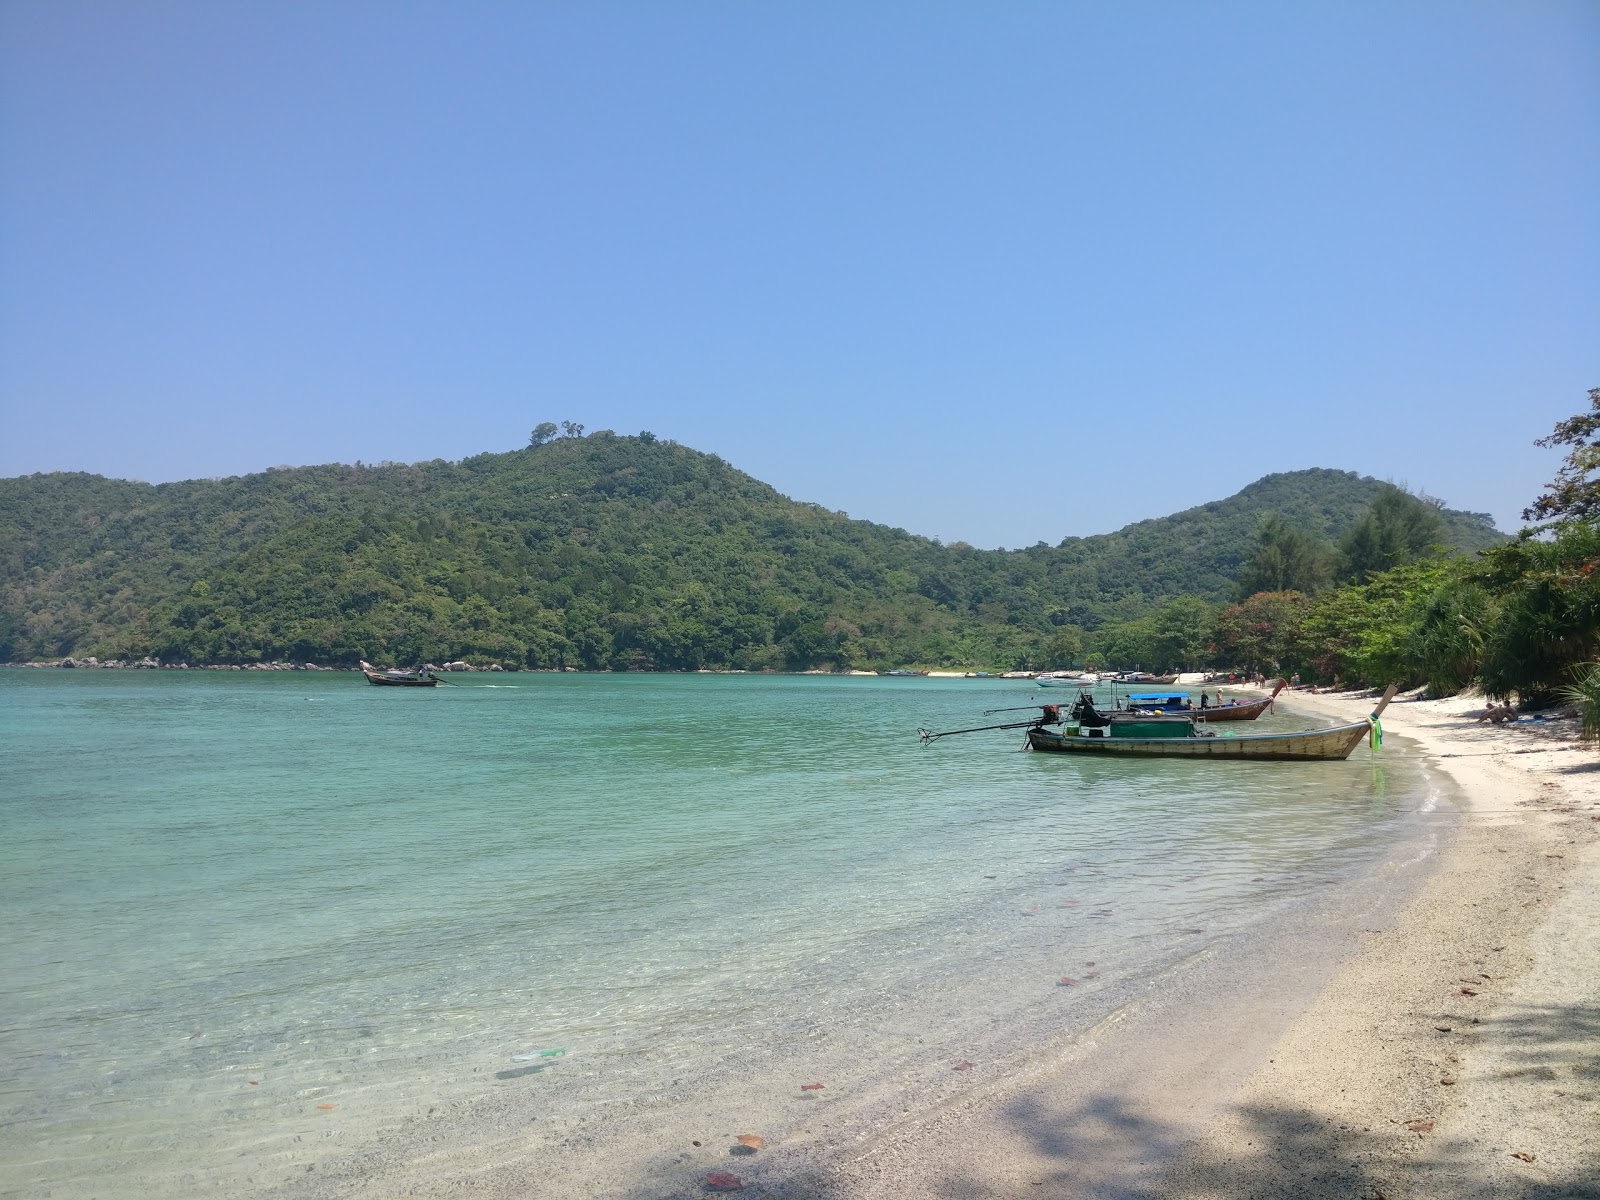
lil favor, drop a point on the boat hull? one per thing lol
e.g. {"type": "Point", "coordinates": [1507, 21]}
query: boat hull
{"type": "Point", "coordinates": [1316, 744]}
{"type": "Point", "coordinates": [1248, 711]}
{"type": "Point", "coordinates": [379, 680]}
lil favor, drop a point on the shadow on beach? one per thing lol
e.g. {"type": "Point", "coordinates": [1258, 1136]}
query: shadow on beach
{"type": "Point", "coordinates": [1109, 1149]}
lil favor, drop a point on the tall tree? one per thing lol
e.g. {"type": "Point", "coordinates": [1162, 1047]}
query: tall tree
{"type": "Point", "coordinates": [1397, 528]}
{"type": "Point", "coordinates": [1286, 559]}
{"type": "Point", "coordinates": [1573, 495]}
{"type": "Point", "coordinates": [1261, 633]}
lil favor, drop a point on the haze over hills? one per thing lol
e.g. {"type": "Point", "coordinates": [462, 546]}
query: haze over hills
{"type": "Point", "coordinates": [601, 552]}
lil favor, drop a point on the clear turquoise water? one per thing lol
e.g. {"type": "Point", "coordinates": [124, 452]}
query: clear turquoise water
{"type": "Point", "coordinates": [228, 898]}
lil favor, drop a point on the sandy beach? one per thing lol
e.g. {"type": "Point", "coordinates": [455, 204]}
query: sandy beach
{"type": "Point", "coordinates": [1451, 1049]}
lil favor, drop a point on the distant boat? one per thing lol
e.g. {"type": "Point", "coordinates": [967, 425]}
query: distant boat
{"type": "Point", "coordinates": [1062, 679]}
{"type": "Point", "coordinates": [394, 677]}
{"type": "Point", "coordinates": [901, 672]}
{"type": "Point", "coordinates": [1140, 677]}
{"type": "Point", "coordinates": [1168, 737]}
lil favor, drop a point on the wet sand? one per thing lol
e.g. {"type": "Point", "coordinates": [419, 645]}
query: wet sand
{"type": "Point", "coordinates": [1451, 1048]}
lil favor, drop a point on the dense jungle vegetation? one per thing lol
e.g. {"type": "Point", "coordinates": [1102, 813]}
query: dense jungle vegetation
{"type": "Point", "coordinates": [1391, 602]}
{"type": "Point", "coordinates": [625, 553]}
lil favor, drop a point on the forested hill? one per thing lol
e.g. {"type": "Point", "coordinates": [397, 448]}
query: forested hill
{"type": "Point", "coordinates": [598, 551]}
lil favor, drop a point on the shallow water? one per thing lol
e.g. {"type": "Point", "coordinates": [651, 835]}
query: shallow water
{"type": "Point", "coordinates": [254, 927]}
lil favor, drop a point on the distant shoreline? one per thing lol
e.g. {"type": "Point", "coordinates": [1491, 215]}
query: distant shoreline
{"type": "Point", "coordinates": [93, 664]}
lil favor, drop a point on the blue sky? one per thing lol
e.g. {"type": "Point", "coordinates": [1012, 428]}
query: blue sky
{"type": "Point", "coordinates": [996, 273]}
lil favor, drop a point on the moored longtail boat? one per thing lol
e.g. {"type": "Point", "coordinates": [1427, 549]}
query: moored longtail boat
{"type": "Point", "coordinates": [1166, 738]}
{"type": "Point", "coordinates": [1247, 710]}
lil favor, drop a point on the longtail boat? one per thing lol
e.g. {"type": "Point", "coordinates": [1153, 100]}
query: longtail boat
{"type": "Point", "coordinates": [397, 678]}
{"type": "Point", "coordinates": [1178, 736]}
{"type": "Point", "coordinates": [1167, 738]}
{"type": "Point", "coordinates": [1234, 710]}
{"type": "Point", "coordinates": [1244, 710]}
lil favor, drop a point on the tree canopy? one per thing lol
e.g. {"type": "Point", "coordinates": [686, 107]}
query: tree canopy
{"type": "Point", "coordinates": [1286, 558]}
{"type": "Point", "coordinates": [1574, 494]}
{"type": "Point", "coordinates": [601, 551]}
{"type": "Point", "coordinates": [1397, 528]}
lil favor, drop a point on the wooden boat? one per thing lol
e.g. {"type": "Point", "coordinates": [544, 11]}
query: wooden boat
{"type": "Point", "coordinates": [395, 678]}
{"type": "Point", "coordinates": [1137, 677]}
{"type": "Point", "coordinates": [1245, 710]}
{"type": "Point", "coordinates": [1169, 738]}
{"type": "Point", "coordinates": [1234, 710]}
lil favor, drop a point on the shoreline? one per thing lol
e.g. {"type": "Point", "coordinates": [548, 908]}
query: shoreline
{"type": "Point", "coordinates": [1452, 1051]}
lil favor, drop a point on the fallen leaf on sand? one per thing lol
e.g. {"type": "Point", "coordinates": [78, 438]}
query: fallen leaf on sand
{"type": "Point", "coordinates": [1066, 981]}
{"type": "Point", "coordinates": [754, 1140]}
{"type": "Point", "coordinates": [1442, 1028]}
{"type": "Point", "coordinates": [811, 1087]}
{"type": "Point", "coordinates": [1447, 1081]}
{"type": "Point", "coordinates": [965, 1066]}
{"type": "Point", "coordinates": [1525, 1157]}
{"type": "Point", "coordinates": [1420, 1126]}
{"type": "Point", "coordinates": [1088, 964]}
{"type": "Point", "coordinates": [254, 1082]}
{"type": "Point", "coordinates": [1465, 992]}
{"type": "Point", "coordinates": [722, 1181]}
{"type": "Point", "coordinates": [327, 1106]}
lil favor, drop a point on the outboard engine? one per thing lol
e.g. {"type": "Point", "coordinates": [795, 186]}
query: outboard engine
{"type": "Point", "coordinates": [1087, 715]}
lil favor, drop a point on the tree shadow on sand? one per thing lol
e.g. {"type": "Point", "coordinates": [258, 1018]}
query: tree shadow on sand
{"type": "Point", "coordinates": [1109, 1148]}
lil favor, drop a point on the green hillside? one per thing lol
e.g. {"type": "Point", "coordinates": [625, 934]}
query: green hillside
{"type": "Point", "coordinates": [604, 551]}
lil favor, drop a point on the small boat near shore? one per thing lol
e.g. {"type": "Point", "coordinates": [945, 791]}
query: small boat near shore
{"type": "Point", "coordinates": [1062, 679]}
{"type": "Point", "coordinates": [1168, 737]}
{"type": "Point", "coordinates": [1176, 703]}
{"type": "Point", "coordinates": [394, 677]}
{"type": "Point", "coordinates": [1087, 731]}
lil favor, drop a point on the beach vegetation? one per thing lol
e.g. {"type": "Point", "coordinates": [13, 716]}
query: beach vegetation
{"type": "Point", "coordinates": [1518, 619]}
{"type": "Point", "coordinates": [1584, 694]}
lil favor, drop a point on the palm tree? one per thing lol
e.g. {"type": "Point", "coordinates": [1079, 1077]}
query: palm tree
{"type": "Point", "coordinates": [1584, 694]}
